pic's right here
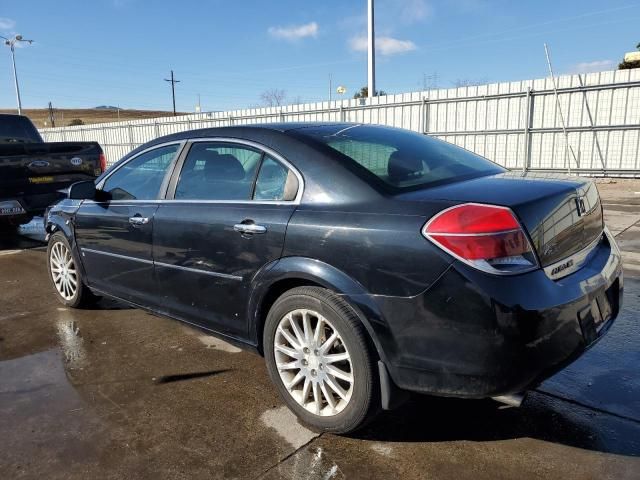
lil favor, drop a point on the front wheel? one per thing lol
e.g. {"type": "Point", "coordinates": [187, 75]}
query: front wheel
{"type": "Point", "coordinates": [65, 273]}
{"type": "Point", "coordinates": [318, 356]}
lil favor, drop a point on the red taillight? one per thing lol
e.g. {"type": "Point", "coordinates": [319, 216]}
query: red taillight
{"type": "Point", "coordinates": [103, 162]}
{"type": "Point", "coordinates": [487, 237]}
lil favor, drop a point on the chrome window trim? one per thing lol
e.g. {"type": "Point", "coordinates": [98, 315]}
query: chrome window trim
{"type": "Point", "coordinates": [180, 143]}
{"type": "Point", "coordinates": [577, 260]}
{"type": "Point", "coordinates": [263, 148]}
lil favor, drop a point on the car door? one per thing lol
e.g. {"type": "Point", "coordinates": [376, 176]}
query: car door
{"type": "Point", "coordinates": [224, 219]}
{"type": "Point", "coordinates": [114, 232]}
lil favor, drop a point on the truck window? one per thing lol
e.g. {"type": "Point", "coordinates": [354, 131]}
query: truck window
{"type": "Point", "coordinates": [18, 129]}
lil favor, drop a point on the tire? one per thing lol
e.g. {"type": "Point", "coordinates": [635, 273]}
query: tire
{"type": "Point", "coordinates": [308, 367]}
{"type": "Point", "coordinates": [62, 278]}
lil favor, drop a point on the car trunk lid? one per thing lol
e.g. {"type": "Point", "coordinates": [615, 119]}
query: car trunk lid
{"type": "Point", "coordinates": [561, 214]}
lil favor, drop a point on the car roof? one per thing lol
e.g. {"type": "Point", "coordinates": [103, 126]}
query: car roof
{"type": "Point", "coordinates": [305, 157]}
{"type": "Point", "coordinates": [280, 127]}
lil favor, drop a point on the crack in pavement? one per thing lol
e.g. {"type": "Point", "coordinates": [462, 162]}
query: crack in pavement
{"type": "Point", "coordinates": [287, 457]}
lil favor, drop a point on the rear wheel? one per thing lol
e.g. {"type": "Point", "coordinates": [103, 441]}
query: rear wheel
{"type": "Point", "coordinates": [318, 356]}
{"type": "Point", "coordinates": [65, 274]}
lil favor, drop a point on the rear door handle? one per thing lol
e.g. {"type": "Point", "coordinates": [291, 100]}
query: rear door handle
{"type": "Point", "coordinates": [138, 220]}
{"type": "Point", "coordinates": [249, 228]}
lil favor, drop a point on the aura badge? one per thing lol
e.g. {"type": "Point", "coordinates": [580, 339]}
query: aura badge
{"type": "Point", "coordinates": [561, 267]}
{"type": "Point", "coordinates": [76, 161]}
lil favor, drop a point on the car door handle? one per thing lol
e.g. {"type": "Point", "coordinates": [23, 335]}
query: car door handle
{"type": "Point", "coordinates": [249, 228]}
{"type": "Point", "coordinates": [137, 221]}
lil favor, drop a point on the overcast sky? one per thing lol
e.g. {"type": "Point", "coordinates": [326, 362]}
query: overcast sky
{"type": "Point", "coordinates": [117, 52]}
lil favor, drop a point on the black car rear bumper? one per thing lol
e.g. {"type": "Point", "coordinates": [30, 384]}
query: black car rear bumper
{"type": "Point", "coordinates": [475, 335]}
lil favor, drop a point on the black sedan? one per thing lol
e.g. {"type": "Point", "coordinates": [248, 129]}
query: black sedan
{"type": "Point", "coordinates": [362, 261]}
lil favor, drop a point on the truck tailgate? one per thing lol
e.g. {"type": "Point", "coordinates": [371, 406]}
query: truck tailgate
{"type": "Point", "coordinates": [24, 168]}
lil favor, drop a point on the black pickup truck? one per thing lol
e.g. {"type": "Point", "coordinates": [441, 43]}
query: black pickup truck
{"type": "Point", "coordinates": [32, 171]}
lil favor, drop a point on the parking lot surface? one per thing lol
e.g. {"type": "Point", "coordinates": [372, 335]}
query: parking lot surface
{"type": "Point", "coordinates": [114, 392]}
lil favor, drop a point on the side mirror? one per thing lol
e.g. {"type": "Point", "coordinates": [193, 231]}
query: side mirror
{"type": "Point", "coordinates": [82, 191]}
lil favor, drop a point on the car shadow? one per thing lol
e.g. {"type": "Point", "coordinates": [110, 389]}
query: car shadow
{"type": "Point", "coordinates": [107, 303]}
{"type": "Point", "coordinates": [541, 416]}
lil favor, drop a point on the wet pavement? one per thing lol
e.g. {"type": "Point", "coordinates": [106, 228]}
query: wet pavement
{"type": "Point", "coordinates": [113, 392]}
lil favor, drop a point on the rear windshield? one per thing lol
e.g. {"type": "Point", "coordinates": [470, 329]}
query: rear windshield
{"type": "Point", "coordinates": [17, 129]}
{"type": "Point", "coordinates": [401, 159]}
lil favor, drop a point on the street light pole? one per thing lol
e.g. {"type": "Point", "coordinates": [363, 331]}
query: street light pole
{"type": "Point", "coordinates": [371, 84]}
{"type": "Point", "coordinates": [11, 42]}
{"type": "Point", "coordinates": [15, 78]}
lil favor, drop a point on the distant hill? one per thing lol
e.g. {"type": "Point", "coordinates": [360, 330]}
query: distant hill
{"type": "Point", "coordinates": [102, 114]}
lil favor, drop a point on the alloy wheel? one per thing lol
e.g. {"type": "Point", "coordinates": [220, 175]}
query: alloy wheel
{"type": "Point", "coordinates": [313, 362]}
{"type": "Point", "coordinates": [63, 271]}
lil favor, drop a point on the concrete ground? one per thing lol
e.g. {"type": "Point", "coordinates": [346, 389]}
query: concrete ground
{"type": "Point", "coordinates": [117, 393]}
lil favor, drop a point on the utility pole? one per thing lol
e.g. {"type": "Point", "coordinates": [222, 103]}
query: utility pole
{"type": "Point", "coordinates": [330, 89]}
{"type": "Point", "coordinates": [371, 84]}
{"type": "Point", "coordinates": [173, 90]}
{"type": "Point", "coordinates": [11, 42]}
{"type": "Point", "coordinates": [52, 118]}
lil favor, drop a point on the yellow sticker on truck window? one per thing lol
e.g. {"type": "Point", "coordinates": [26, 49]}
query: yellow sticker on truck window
{"type": "Point", "coordinates": [40, 179]}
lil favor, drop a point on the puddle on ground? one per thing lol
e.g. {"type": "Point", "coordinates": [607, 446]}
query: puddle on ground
{"type": "Point", "coordinates": [40, 409]}
{"type": "Point", "coordinates": [71, 342]}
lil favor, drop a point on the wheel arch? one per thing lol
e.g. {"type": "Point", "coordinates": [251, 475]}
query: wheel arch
{"type": "Point", "coordinates": [291, 272]}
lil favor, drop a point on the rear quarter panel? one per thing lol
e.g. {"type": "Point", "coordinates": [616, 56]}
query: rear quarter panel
{"type": "Point", "coordinates": [385, 253]}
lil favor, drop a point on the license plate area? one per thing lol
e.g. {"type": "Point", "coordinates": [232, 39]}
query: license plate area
{"type": "Point", "coordinates": [11, 207]}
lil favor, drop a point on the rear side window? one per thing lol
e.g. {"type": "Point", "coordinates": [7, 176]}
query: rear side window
{"type": "Point", "coordinates": [141, 178]}
{"type": "Point", "coordinates": [398, 158]}
{"type": "Point", "coordinates": [217, 171]}
{"type": "Point", "coordinates": [275, 182]}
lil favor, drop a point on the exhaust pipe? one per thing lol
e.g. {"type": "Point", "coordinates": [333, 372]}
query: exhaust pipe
{"type": "Point", "coordinates": [513, 400]}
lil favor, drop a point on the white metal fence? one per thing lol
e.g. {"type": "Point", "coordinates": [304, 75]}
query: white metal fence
{"type": "Point", "coordinates": [516, 124]}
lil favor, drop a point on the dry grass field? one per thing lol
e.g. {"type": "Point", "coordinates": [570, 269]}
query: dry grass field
{"type": "Point", "coordinates": [64, 117]}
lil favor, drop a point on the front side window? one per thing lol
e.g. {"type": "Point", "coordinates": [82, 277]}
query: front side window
{"type": "Point", "coordinates": [218, 171]}
{"type": "Point", "coordinates": [141, 178]}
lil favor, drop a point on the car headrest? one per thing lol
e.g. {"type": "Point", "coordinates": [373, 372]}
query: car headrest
{"type": "Point", "coordinates": [202, 154]}
{"type": "Point", "coordinates": [224, 167]}
{"type": "Point", "coordinates": [403, 167]}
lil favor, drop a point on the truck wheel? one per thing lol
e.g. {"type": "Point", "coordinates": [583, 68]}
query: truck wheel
{"type": "Point", "coordinates": [65, 273]}
{"type": "Point", "coordinates": [318, 356]}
